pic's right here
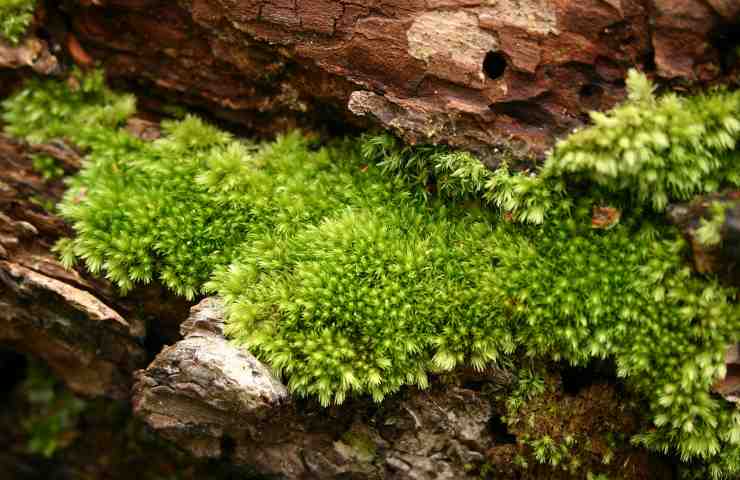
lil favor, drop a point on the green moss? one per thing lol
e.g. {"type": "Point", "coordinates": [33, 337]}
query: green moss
{"type": "Point", "coordinates": [81, 109]}
{"type": "Point", "coordinates": [47, 167]}
{"type": "Point", "coordinates": [15, 17]}
{"type": "Point", "coordinates": [343, 269]}
{"type": "Point", "coordinates": [54, 411]}
{"type": "Point", "coordinates": [656, 149]}
{"type": "Point", "coordinates": [648, 151]}
{"type": "Point", "coordinates": [570, 434]}
{"type": "Point", "coordinates": [709, 232]}
{"type": "Point", "coordinates": [369, 300]}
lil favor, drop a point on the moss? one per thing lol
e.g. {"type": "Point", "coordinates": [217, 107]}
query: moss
{"type": "Point", "coordinates": [569, 436]}
{"type": "Point", "coordinates": [15, 17]}
{"type": "Point", "coordinates": [54, 411]}
{"type": "Point", "coordinates": [648, 151]}
{"type": "Point", "coordinates": [47, 167]}
{"type": "Point", "coordinates": [359, 267]}
{"type": "Point", "coordinates": [361, 445]}
{"type": "Point", "coordinates": [709, 232]}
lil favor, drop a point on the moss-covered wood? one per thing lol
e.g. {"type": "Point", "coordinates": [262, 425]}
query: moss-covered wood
{"type": "Point", "coordinates": [350, 278]}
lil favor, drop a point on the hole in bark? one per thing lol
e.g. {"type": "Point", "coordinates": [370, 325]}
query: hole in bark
{"type": "Point", "coordinates": [590, 91]}
{"type": "Point", "coordinates": [590, 96]}
{"type": "Point", "coordinates": [576, 378]}
{"type": "Point", "coordinates": [648, 64]}
{"type": "Point", "coordinates": [500, 431]}
{"type": "Point", "coordinates": [475, 385]}
{"type": "Point", "coordinates": [727, 42]}
{"type": "Point", "coordinates": [494, 65]}
{"type": "Point", "coordinates": [526, 112]}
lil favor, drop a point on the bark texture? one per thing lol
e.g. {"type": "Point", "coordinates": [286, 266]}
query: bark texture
{"type": "Point", "coordinates": [32, 53]}
{"type": "Point", "coordinates": [217, 401]}
{"type": "Point", "coordinates": [90, 337]}
{"type": "Point", "coordinates": [489, 76]}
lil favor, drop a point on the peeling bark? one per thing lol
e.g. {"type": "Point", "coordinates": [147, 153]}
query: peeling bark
{"type": "Point", "coordinates": [215, 400]}
{"type": "Point", "coordinates": [83, 340]}
{"type": "Point", "coordinates": [32, 52]}
{"type": "Point", "coordinates": [86, 333]}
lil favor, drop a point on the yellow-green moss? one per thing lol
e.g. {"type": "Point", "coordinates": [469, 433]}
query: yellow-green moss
{"type": "Point", "coordinates": [15, 17]}
{"type": "Point", "coordinates": [350, 278]}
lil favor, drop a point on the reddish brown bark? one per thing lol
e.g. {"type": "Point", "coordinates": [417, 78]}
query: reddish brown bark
{"type": "Point", "coordinates": [475, 74]}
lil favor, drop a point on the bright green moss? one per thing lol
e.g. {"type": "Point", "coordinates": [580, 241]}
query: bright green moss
{"type": "Point", "coordinates": [648, 150]}
{"type": "Point", "coordinates": [577, 293]}
{"type": "Point", "coordinates": [48, 167]}
{"type": "Point", "coordinates": [709, 232]}
{"type": "Point", "coordinates": [81, 109]}
{"type": "Point", "coordinates": [350, 280]}
{"type": "Point", "coordinates": [369, 300]}
{"type": "Point", "coordinates": [182, 206]}
{"type": "Point", "coordinates": [15, 17]}
{"type": "Point", "coordinates": [656, 149]}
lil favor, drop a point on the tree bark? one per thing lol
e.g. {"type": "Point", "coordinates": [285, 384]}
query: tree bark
{"type": "Point", "coordinates": [488, 76]}
{"type": "Point", "coordinates": [89, 336]}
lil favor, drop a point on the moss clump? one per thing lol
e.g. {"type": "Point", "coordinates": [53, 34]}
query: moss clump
{"type": "Point", "coordinates": [649, 150]}
{"type": "Point", "coordinates": [709, 232]}
{"type": "Point", "coordinates": [48, 167]}
{"type": "Point", "coordinates": [15, 17]}
{"type": "Point", "coordinates": [369, 300]}
{"type": "Point", "coordinates": [81, 109]}
{"type": "Point", "coordinates": [656, 149]}
{"type": "Point", "coordinates": [349, 281]}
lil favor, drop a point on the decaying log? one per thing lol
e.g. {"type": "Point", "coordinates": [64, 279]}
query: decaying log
{"type": "Point", "coordinates": [54, 314]}
{"type": "Point", "coordinates": [215, 400]}
{"type": "Point", "coordinates": [483, 75]}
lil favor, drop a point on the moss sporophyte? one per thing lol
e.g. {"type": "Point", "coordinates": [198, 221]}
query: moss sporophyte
{"type": "Point", "coordinates": [341, 270]}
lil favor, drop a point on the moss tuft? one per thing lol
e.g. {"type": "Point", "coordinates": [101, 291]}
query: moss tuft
{"type": "Point", "coordinates": [649, 150]}
{"type": "Point", "coordinates": [15, 17]}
